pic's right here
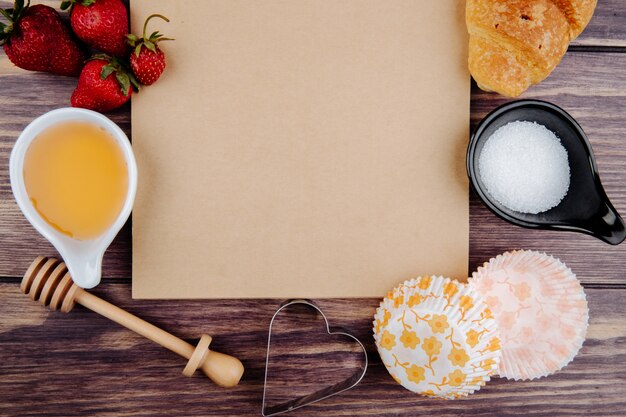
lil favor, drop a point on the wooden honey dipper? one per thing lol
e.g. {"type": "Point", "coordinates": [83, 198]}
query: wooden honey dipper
{"type": "Point", "coordinates": [48, 281]}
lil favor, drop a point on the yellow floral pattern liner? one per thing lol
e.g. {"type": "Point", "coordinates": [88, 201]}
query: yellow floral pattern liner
{"type": "Point", "coordinates": [437, 337]}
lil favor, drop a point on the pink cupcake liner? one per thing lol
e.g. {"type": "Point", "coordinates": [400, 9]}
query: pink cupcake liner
{"type": "Point", "coordinates": [541, 310]}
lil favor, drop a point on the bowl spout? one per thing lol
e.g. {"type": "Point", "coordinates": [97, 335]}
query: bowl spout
{"type": "Point", "coordinates": [607, 225]}
{"type": "Point", "coordinates": [85, 267]}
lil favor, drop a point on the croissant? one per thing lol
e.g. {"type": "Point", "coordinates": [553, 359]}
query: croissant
{"type": "Point", "coordinates": [514, 44]}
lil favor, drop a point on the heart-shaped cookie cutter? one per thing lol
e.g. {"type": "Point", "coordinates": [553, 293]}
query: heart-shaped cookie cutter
{"type": "Point", "coordinates": [323, 393]}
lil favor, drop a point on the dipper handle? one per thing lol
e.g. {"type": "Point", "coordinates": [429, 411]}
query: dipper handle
{"type": "Point", "coordinates": [48, 281]}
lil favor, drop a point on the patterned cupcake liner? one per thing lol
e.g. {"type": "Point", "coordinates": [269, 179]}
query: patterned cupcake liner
{"type": "Point", "coordinates": [541, 310]}
{"type": "Point", "coordinates": [437, 337]}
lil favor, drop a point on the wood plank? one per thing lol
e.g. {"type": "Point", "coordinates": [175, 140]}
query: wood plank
{"type": "Point", "coordinates": [592, 88]}
{"type": "Point", "coordinates": [24, 96]}
{"type": "Point", "coordinates": [606, 28]}
{"type": "Point", "coordinates": [81, 364]}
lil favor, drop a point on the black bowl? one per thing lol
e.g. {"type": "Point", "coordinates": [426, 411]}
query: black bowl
{"type": "Point", "coordinates": [585, 208]}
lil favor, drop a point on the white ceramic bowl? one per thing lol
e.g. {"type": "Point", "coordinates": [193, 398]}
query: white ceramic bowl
{"type": "Point", "coordinates": [82, 257]}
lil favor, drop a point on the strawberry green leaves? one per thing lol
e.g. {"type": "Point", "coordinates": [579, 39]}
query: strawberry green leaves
{"type": "Point", "coordinates": [120, 71]}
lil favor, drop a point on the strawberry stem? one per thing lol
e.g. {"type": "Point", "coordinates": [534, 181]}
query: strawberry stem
{"type": "Point", "coordinates": [69, 4]}
{"type": "Point", "coordinates": [149, 42]}
{"type": "Point", "coordinates": [145, 25]}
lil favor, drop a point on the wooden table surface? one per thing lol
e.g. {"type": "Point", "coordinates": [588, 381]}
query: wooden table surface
{"type": "Point", "coordinates": [81, 364]}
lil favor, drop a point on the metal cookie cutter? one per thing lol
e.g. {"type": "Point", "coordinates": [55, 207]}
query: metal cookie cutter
{"type": "Point", "coordinates": [323, 393]}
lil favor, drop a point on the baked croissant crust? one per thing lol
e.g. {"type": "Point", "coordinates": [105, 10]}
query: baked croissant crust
{"type": "Point", "coordinates": [516, 43]}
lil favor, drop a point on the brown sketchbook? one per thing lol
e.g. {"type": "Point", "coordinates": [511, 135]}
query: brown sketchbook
{"type": "Point", "coordinates": [301, 148]}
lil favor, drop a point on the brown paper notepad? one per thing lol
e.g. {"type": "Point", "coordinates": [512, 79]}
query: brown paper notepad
{"type": "Point", "coordinates": [301, 148]}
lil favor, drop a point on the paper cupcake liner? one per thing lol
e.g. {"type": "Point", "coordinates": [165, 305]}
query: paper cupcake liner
{"type": "Point", "coordinates": [541, 310]}
{"type": "Point", "coordinates": [437, 337]}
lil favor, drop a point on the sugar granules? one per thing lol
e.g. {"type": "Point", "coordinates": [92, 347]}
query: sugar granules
{"type": "Point", "coordinates": [524, 167]}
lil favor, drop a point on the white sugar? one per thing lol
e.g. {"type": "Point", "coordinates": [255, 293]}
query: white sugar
{"type": "Point", "coordinates": [524, 167]}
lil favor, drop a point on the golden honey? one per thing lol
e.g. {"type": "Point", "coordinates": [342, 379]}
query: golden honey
{"type": "Point", "coordinates": [76, 177]}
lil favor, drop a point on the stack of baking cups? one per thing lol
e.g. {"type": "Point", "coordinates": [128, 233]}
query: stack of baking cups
{"type": "Point", "coordinates": [523, 315]}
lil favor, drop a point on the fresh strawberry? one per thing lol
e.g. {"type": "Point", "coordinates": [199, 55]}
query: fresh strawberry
{"type": "Point", "coordinates": [101, 24]}
{"type": "Point", "coordinates": [147, 60]}
{"type": "Point", "coordinates": [36, 39]}
{"type": "Point", "coordinates": [104, 85]}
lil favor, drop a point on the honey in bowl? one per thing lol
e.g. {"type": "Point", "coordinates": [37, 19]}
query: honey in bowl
{"type": "Point", "coordinates": [76, 177]}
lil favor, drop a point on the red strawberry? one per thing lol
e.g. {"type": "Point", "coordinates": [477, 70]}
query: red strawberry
{"type": "Point", "coordinates": [104, 85]}
{"type": "Point", "coordinates": [148, 60]}
{"type": "Point", "coordinates": [101, 24]}
{"type": "Point", "coordinates": [36, 39]}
